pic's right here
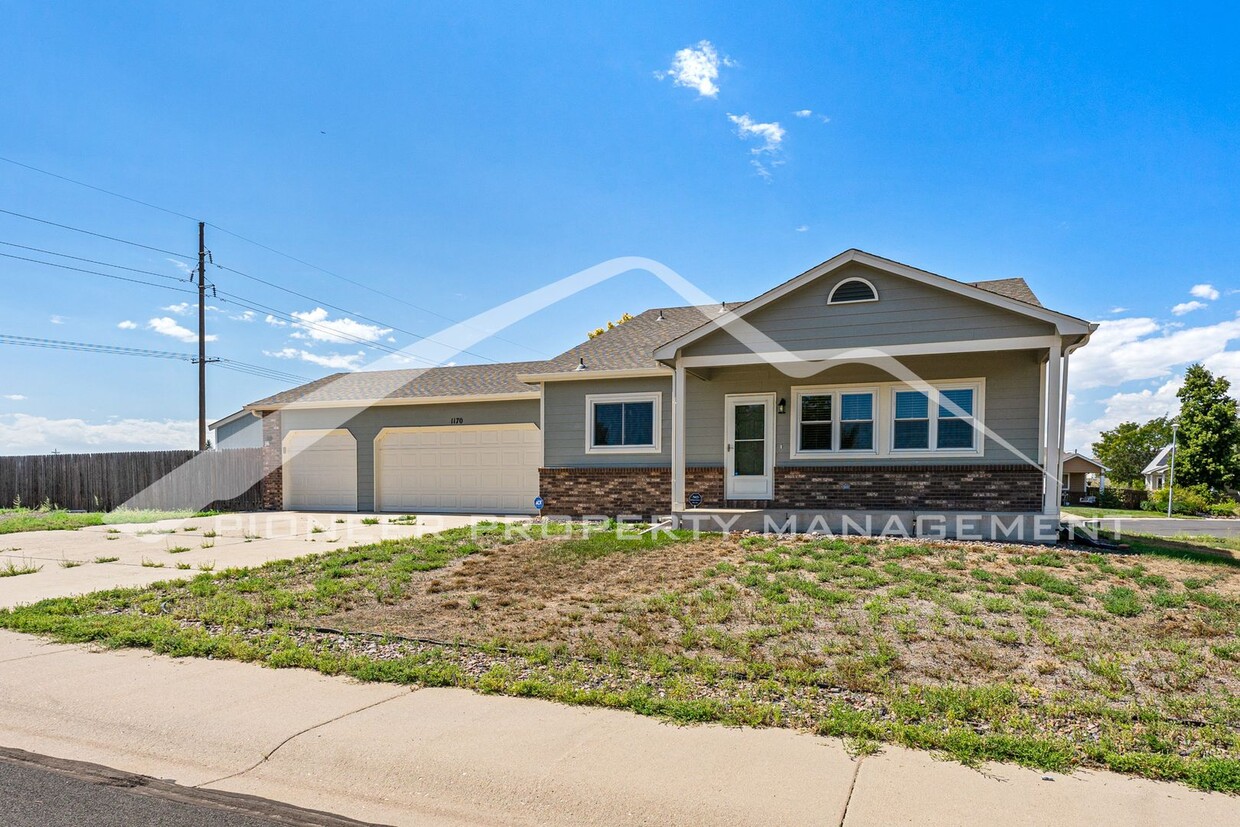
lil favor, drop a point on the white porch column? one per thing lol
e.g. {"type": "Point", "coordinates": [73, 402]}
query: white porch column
{"type": "Point", "coordinates": [678, 437]}
{"type": "Point", "coordinates": [1052, 481]}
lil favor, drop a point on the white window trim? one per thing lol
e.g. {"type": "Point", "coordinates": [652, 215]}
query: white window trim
{"type": "Point", "coordinates": [884, 420]}
{"type": "Point", "coordinates": [795, 450]}
{"type": "Point", "coordinates": [866, 282]}
{"type": "Point", "coordinates": [610, 398]}
{"type": "Point", "coordinates": [978, 386]}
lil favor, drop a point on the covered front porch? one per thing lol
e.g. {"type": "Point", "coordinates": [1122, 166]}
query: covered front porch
{"type": "Point", "coordinates": [949, 427]}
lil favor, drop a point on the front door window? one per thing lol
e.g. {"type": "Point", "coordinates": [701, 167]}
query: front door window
{"type": "Point", "coordinates": [750, 440]}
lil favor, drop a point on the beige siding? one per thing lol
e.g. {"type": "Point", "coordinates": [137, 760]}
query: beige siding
{"type": "Point", "coordinates": [365, 425]}
{"type": "Point", "coordinates": [565, 434]}
{"type": "Point", "coordinates": [907, 312]}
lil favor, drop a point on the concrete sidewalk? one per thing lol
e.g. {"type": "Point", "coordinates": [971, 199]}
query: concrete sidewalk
{"type": "Point", "coordinates": [442, 756]}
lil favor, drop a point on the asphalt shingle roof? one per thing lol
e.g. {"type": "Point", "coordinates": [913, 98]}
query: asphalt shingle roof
{"type": "Point", "coordinates": [627, 346]}
{"type": "Point", "coordinates": [1011, 288]}
{"type": "Point", "coordinates": [423, 383]}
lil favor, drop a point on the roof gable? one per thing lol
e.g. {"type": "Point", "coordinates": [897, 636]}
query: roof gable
{"type": "Point", "coordinates": [1008, 295]}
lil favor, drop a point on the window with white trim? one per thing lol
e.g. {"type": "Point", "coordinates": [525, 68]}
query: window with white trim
{"type": "Point", "coordinates": [624, 423]}
{"type": "Point", "coordinates": [834, 421]}
{"type": "Point", "coordinates": [947, 427]}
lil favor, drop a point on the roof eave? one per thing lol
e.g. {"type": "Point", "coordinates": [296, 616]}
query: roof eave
{"type": "Point", "coordinates": [1064, 324]}
{"type": "Point", "coordinates": [388, 401]}
{"type": "Point", "coordinates": [615, 373]}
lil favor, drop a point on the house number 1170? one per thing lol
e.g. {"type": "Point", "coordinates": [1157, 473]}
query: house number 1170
{"type": "Point", "coordinates": [457, 420]}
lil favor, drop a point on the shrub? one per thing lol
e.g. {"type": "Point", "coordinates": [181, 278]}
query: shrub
{"type": "Point", "coordinates": [1110, 498]}
{"type": "Point", "coordinates": [1228, 508]}
{"type": "Point", "coordinates": [1195, 499]}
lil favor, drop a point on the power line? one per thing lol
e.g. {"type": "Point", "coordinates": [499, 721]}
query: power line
{"type": "Point", "coordinates": [350, 312]}
{"type": "Point", "coordinates": [120, 350]}
{"type": "Point", "coordinates": [116, 350]}
{"type": "Point", "coordinates": [365, 286]}
{"type": "Point", "coordinates": [98, 189]}
{"type": "Point", "coordinates": [96, 273]}
{"type": "Point", "coordinates": [258, 244]}
{"type": "Point", "coordinates": [231, 298]}
{"type": "Point", "coordinates": [92, 261]}
{"type": "Point", "coordinates": [95, 234]}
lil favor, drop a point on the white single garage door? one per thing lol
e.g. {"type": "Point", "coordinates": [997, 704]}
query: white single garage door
{"type": "Point", "coordinates": [320, 471]}
{"type": "Point", "coordinates": [462, 468]}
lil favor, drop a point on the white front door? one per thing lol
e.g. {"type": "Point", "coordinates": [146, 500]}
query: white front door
{"type": "Point", "coordinates": [749, 446]}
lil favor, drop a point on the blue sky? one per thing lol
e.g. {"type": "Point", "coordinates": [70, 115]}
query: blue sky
{"type": "Point", "coordinates": [455, 158]}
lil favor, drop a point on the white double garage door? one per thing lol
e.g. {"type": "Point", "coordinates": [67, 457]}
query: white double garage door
{"type": "Point", "coordinates": [455, 469]}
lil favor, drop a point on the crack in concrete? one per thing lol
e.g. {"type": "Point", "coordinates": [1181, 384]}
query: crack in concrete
{"type": "Point", "coordinates": [852, 785]}
{"type": "Point", "coordinates": [36, 655]}
{"type": "Point", "coordinates": [311, 728]}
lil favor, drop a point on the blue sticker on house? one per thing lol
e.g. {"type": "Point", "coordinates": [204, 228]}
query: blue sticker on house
{"type": "Point", "coordinates": [695, 499]}
{"type": "Point", "coordinates": [538, 503]}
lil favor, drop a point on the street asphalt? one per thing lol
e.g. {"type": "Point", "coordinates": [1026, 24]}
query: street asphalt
{"type": "Point", "coordinates": [39, 791]}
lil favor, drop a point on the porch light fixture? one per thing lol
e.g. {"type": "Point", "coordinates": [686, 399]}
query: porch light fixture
{"type": "Point", "coordinates": [783, 406]}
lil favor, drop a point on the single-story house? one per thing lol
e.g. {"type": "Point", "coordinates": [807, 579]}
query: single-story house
{"type": "Point", "coordinates": [238, 430]}
{"type": "Point", "coordinates": [1158, 471]}
{"type": "Point", "coordinates": [1076, 470]}
{"type": "Point", "coordinates": [861, 385]}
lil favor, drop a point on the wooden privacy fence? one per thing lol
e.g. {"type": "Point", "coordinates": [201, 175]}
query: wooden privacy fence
{"type": "Point", "coordinates": [229, 479]}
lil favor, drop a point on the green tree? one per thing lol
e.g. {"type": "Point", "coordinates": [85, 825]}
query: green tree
{"type": "Point", "coordinates": [1209, 431]}
{"type": "Point", "coordinates": [599, 331]}
{"type": "Point", "coordinates": [1128, 447]}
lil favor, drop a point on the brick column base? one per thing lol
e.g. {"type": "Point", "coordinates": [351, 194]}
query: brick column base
{"type": "Point", "coordinates": [273, 462]}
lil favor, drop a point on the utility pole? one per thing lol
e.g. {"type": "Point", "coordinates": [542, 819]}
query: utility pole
{"type": "Point", "coordinates": [202, 336]}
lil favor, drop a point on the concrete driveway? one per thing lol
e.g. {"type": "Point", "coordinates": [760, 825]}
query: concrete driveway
{"type": "Point", "coordinates": [76, 562]}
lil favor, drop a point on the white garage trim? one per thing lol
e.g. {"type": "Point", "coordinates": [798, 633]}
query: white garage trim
{"type": "Point", "coordinates": [343, 472]}
{"type": "Point", "coordinates": [518, 500]}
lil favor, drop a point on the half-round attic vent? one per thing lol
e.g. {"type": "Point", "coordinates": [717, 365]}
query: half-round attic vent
{"type": "Point", "coordinates": [850, 291]}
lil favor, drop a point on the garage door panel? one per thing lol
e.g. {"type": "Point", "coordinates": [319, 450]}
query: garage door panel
{"type": "Point", "coordinates": [320, 471]}
{"type": "Point", "coordinates": [472, 469]}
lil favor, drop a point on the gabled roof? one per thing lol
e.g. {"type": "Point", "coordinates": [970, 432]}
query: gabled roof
{"type": "Point", "coordinates": [367, 387]}
{"type": "Point", "coordinates": [232, 417]}
{"type": "Point", "coordinates": [1067, 455]}
{"type": "Point", "coordinates": [636, 347]}
{"type": "Point", "coordinates": [999, 292]}
{"type": "Point", "coordinates": [630, 346]}
{"type": "Point", "coordinates": [1159, 462]}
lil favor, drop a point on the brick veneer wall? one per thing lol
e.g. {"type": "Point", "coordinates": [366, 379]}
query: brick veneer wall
{"type": "Point", "coordinates": [647, 491]}
{"type": "Point", "coordinates": [273, 468]}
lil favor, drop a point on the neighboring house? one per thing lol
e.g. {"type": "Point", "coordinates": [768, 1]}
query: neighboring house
{"type": "Point", "coordinates": [1076, 471]}
{"type": "Point", "coordinates": [1158, 471]}
{"type": "Point", "coordinates": [820, 394]}
{"type": "Point", "coordinates": [239, 430]}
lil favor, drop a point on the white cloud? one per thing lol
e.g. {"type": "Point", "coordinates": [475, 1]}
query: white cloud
{"type": "Point", "coordinates": [1187, 307]}
{"type": "Point", "coordinates": [274, 322]}
{"type": "Point", "coordinates": [128, 325]}
{"type": "Point", "coordinates": [697, 68]}
{"type": "Point", "coordinates": [803, 113]}
{"type": "Point", "coordinates": [187, 269]}
{"type": "Point", "coordinates": [245, 316]}
{"type": "Point", "coordinates": [1226, 364]}
{"type": "Point", "coordinates": [315, 324]}
{"type": "Point", "coordinates": [804, 228]}
{"type": "Point", "coordinates": [1126, 350]}
{"type": "Point", "coordinates": [179, 309]}
{"type": "Point", "coordinates": [167, 326]}
{"type": "Point", "coordinates": [21, 433]}
{"type": "Point", "coordinates": [57, 320]}
{"type": "Point", "coordinates": [335, 361]}
{"type": "Point", "coordinates": [14, 397]}
{"type": "Point", "coordinates": [1138, 406]}
{"type": "Point", "coordinates": [1205, 291]}
{"type": "Point", "coordinates": [1115, 310]}
{"type": "Point", "coordinates": [771, 134]}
